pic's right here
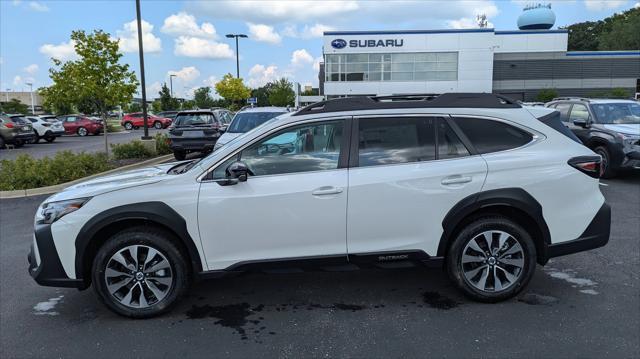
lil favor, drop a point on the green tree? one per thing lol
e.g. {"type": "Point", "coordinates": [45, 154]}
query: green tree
{"type": "Point", "coordinates": [55, 103]}
{"type": "Point", "coordinates": [546, 95]}
{"type": "Point", "coordinates": [14, 106]}
{"type": "Point", "coordinates": [156, 106]}
{"type": "Point", "coordinates": [168, 103]}
{"type": "Point", "coordinates": [202, 97]}
{"type": "Point", "coordinates": [617, 32]}
{"type": "Point", "coordinates": [233, 90]}
{"type": "Point", "coordinates": [97, 76]}
{"type": "Point", "coordinates": [619, 93]}
{"type": "Point", "coordinates": [133, 107]}
{"type": "Point", "coordinates": [281, 93]}
{"type": "Point", "coordinates": [262, 94]}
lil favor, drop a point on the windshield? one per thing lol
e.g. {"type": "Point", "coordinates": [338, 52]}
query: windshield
{"type": "Point", "coordinates": [193, 119]}
{"type": "Point", "coordinates": [617, 113]}
{"type": "Point", "coordinates": [245, 121]}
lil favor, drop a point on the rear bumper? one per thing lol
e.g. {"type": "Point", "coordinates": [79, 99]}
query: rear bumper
{"type": "Point", "coordinates": [596, 235]}
{"type": "Point", "coordinates": [49, 272]}
{"type": "Point", "coordinates": [24, 136]}
{"type": "Point", "coordinates": [193, 144]}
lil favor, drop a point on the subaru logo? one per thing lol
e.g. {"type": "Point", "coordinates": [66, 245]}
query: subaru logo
{"type": "Point", "coordinates": [338, 44]}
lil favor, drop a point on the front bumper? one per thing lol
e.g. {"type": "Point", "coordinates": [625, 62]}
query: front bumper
{"type": "Point", "coordinates": [596, 235]}
{"type": "Point", "coordinates": [44, 263]}
{"type": "Point", "coordinates": [631, 160]}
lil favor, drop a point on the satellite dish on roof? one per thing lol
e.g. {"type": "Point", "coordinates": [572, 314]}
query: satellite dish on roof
{"type": "Point", "coordinates": [537, 17]}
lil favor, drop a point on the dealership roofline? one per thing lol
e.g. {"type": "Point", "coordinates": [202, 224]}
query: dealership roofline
{"type": "Point", "coordinates": [604, 53]}
{"type": "Point", "coordinates": [443, 31]}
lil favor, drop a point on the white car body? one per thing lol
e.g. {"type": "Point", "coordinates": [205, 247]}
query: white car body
{"type": "Point", "coordinates": [44, 128]}
{"type": "Point", "coordinates": [395, 208]}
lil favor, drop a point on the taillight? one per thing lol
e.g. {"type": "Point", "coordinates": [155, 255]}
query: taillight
{"type": "Point", "coordinates": [9, 125]}
{"type": "Point", "coordinates": [589, 165]}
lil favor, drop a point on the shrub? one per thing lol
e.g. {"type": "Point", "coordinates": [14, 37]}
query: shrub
{"type": "Point", "coordinates": [26, 172]}
{"type": "Point", "coordinates": [619, 93]}
{"type": "Point", "coordinates": [133, 149]}
{"type": "Point", "coordinates": [162, 144]}
{"type": "Point", "coordinates": [546, 95]}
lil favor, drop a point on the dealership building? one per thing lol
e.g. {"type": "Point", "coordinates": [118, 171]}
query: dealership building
{"type": "Point", "coordinates": [515, 63]}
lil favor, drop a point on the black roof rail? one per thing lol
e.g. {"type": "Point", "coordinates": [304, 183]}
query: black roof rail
{"type": "Point", "coordinates": [468, 100]}
{"type": "Point", "coordinates": [571, 98]}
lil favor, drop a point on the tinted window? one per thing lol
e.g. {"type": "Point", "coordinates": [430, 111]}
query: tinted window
{"type": "Point", "coordinates": [563, 108]}
{"type": "Point", "coordinates": [385, 141]}
{"type": "Point", "coordinates": [617, 113]}
{"type": "Point", "coordinates": [579, 112]}
{"type": "Point", "coordinates": [492, 136]}
{"type": "Point", "coordinates": [245, 121]}
{"type": "Point", "coordinates": [449, 145]}
{"type": "Point", "coordinates": [194, 119]}
{"type": "Point", "coordinates": [297, 149]}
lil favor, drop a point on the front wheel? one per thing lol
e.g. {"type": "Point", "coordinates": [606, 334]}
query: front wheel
{"type": "Point", "coordinates": [607, 169]}
{"type": "Point", "coordinates": [82, 132]}
{"type": "Point", "coordinates": [491, 259]}
{"type": "Point", "coordinates": [140, 273]}
{"type": "Point", "coordinates": [157, 125]}
{"type": "Point", "coordinates": [128, 126]}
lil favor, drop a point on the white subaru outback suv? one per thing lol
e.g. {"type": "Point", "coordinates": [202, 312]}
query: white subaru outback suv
{"type": "Point", "coordinates": [472, 183]}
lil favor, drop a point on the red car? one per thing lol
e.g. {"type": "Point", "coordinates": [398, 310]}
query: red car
{"type": "Point", "coordinates": [134, 120]}
{"type": "Point", "coordinates": [80, 125]}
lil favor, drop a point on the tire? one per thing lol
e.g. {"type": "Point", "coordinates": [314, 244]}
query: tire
{"type": "Point", "coordinates": [497, 285]}
{"type": "Point", "coordinates": [162, 288]}
{"type": "Point", "coordinates": [2, 144]}
{"type": "Point", "coordinates": [607, 168]}
{"type": "Point", "coordinates": [82, 132]}
{"type": "Point", "coordinates": [128, 126]}
{"type": "Point", "coordinates": [18, 143]}
{"type": "Point", "coordinates": [37, 138]}
{"type": "Point", "coordinates": [179, 155]}
{"type": "Point", "coordinates": [49, 137]}
{"type": "Point", "coordinates": [157, 125]}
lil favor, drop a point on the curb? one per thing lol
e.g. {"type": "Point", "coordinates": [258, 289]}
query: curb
{"type": "Point", "coordinates": [59, 187]}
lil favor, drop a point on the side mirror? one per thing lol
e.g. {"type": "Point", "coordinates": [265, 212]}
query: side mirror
{"type": "Point", "coordinates": [581, 122]}
{"type": "Point", "coordinates": [237, 172]}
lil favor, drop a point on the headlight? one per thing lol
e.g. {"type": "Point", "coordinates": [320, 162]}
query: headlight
{"type": "Point", "coordinates": [52, 211]}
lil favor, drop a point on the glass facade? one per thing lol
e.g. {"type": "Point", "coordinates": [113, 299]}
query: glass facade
{"type": "Point", "coordinates": [416, 66]}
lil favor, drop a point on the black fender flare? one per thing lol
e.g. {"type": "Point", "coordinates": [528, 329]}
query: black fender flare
{"type": "Point", "coordinates": [516, 198]}
{"type": "Point", "coordinates": [156, 212]}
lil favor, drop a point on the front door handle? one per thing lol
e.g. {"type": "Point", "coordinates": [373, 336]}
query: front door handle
{"type": "Point", "coordinates": [326, 190]}
{"type": "Point", "coordinates": [457, 179]}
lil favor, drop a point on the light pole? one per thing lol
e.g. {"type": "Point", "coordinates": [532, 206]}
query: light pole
{"type": "Point", "coordinates": [236, 36]}
{"type": "Point", "coordinates": [142, 82]}
{"type": "Point", "coordinates": [33, 111]}
{"type": "Point", "coordinates": [7, 94]}
{"type": "Point", "coordinates": [171, 84]}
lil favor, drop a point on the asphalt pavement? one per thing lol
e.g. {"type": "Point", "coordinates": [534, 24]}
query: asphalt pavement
{"type": "Point", "coordinates": [74, 143]}
{"type": "Point", "coordinates": [585, 305]}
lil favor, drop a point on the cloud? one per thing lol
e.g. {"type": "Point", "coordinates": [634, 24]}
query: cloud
{"type": "Point", "coordinates": [210, 81]}
{"type": "Point", "coordinates": [301, 57]}
{"type": "Point", "coordinates": [186, 74]}
{"type": "Point", "coordinates": [264, 33]}
{"type": "Point", "coordinates": [63, 51]}
{"type": "Point", "coordinates": [37, 6]}
{"type": "Point", "coordinates": [128, 37]}
{"type": "Point", "coordinates": [598, 5]}
{"type": "Point", "coordinates": [154, 89]}
{"type": "Point", "coordinates": [307, 31]}
{"type": "Point", "coordinates": [17, 80]}
{"type": "Point", "coordinates": [259, 75]}
{"type": "Point", "coordinates": [466, 23]}
{"type": "Point", "coordinates": [185, 24]}
{"type": "Point", "coordinates": [31, 69]}
{"type": "Point", "coordinates": [202, 48]}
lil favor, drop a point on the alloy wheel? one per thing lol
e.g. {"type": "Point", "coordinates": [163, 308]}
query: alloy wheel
{"type": "Point", "coordinates": [82, 131]}
{"type": "Point", "coordinates": [128, 126]}
{"type": "Point", "coordinates": [492, 261]}
{"type": "Point", "coordinates": [138, 276]}
{"type": "Point", "coordinates": [157, 125]}
{"type": "Point", "coordinates": [604, 163]}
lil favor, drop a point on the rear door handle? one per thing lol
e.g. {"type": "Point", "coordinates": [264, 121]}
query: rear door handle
{"type": "Point", "coordinates": [326, 190]}
{"type": "Point", "coordinates": [457, 179]}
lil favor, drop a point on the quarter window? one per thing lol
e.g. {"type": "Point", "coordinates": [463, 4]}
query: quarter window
{"type": "Point", "coordinates": [449, 145]}
{"type": "Point", "coordinates": [579, 112]}
{"type": "Point", "coordinates": [385, 141]}
{"type": "Point", "coordinates": [492, 136]}
{"type": "Point", "coordinates": [313, 147]}
{"type": "Point", "coordinates": [563, 108]}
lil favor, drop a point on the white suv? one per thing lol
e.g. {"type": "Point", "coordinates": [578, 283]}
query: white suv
{"type": "Point", "coordinates": [473, 183]}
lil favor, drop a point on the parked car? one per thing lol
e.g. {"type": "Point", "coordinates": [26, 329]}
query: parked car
{"type": "Point", "coordinates": [197, 131]}
{"type": "Point", "coordinates": [472, 183]}
{"type": "Point", "coordinates": [247, 119]}
{"type": "Point", "coordinates": [50, 118]}
{"type": "Point", "coordinates": [46, 130]}
{"type": "Point", "coordinates": [611, 128]}
{"type": "Point", "coordinates": [168, 114]}
{"type": "Point", "coordinates": [80, 125]}
{"type": "Point", "coordinates": [135, 120]}
{"type": "Point", "coordinates": [14, 132]}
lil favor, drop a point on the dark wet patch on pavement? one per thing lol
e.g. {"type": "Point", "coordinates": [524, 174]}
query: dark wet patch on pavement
{"type": "Point", "coordinates": [438, 301]}
{"type": "Point", "coordinates": [538, 299]}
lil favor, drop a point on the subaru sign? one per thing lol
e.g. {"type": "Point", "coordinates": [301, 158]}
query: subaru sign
{"type": "Point", "coordinates": [338, 44]}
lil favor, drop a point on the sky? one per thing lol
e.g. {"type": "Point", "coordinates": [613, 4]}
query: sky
{"type": "Point", "coordinates": [187, 38]}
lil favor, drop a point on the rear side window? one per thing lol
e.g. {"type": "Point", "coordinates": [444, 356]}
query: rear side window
{"type": "Point", "coordinates": [492, 136]}
{"type": "Point", "coordinates": [385, 141]}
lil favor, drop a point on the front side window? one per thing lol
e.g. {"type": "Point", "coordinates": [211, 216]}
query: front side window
{"type": "Point", "coordinates": [385, 141]}
{"type": "Point", "coordinates": [492, 136]}
{"type": "Point", "coordinates": [303, 148]}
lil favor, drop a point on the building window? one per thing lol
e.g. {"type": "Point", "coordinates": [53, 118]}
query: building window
{"type": "Point", "coordinates": [419, 66]}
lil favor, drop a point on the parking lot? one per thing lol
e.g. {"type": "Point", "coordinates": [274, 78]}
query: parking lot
{"type": "Point", "coordinates": [74, 143]}
{"type": "Point", "coordinates": [584, 305]}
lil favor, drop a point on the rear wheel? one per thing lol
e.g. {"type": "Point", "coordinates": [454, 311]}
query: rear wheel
{"type": "Point", "coordinates": [179, 155]}
{"type": "Point", "coordinates": [82, 132]}
{"type": "Point", "coordinates": [607, 169]}
{"type": "Point", "coordinates": [49, 137]}
{"type": "Point", "coordinates": [140, 273]}
{"type": "Point", "coordinates": [37, 138]}
{"type": "Point", "coordinates": [491, 259]}
{"type": "Point", "coordinates": [128, 126]}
